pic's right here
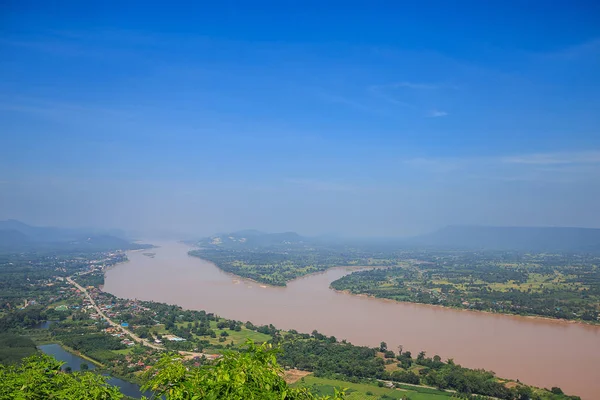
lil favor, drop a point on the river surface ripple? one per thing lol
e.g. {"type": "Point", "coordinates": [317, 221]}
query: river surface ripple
{"type": "Point", "coordinates": [539, 352]}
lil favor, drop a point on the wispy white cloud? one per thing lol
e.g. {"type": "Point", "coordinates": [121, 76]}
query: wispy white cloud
{"type": "Point", "coordinates": [559, 167]}
{"type": "Point", "coordinates": [113, 35]}
{"type": "Point", "coordinates": [413, 85]}
{"type": "Point", "coordinates": [437, 114]}
{"type": "Point", "coordinates": [55, 108]}
{"type": "Point", "coordinates": [351, 103]}
{"type": "Point", "coordinates": [435, 165]}
{"type": "Point", "coordinates": [72, 49]}
{"type": "Point", "coordinates": [576, 51]}
{"type": "Point", "coordinates": [581, 157]}
{"type": "Point", "coordinates": [381, 92]}
{"type": "Point", "coordinates": [416, 96]}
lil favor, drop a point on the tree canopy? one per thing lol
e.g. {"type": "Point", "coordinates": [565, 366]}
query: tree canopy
{"type": "Point", "coordinates": [251, 374]}
{"type": "Point", "coordinates": [40, 377]}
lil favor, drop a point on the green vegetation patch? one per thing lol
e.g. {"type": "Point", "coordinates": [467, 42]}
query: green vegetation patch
{"type": "Point", "coordinates": [237, 337]}
{"type": "Point", "coordinates": [13, 348]}
{"type": "Point", "coordinates": [549, 285]}
{"type": "Point", "coordinates": [360, 391]}
{"type": "Point", "coordinates": [279, 266]}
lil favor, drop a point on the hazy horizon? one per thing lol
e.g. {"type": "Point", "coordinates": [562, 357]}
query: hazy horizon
{"type": "Point", "coordinates": [360, 121]}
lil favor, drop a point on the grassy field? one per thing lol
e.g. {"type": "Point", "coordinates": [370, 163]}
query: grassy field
{"type": "Point", "coordinates": [360, 391]}
{"type": "Point", "coordinates": [123, 351]}
{"type": "Point", "coordinates": [158, 328]}
{"type": "Point", "coordinates": [238, 338]}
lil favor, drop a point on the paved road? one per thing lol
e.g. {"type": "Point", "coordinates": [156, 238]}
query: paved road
{"type": "Point", "coordinates": [136, 338]}
{"type": "Point", "coordinates": [111, 322]}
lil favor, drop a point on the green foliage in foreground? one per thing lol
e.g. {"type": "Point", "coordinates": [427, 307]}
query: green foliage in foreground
{"type": "Point", "coordinates": [251, 374]}
{"type": "Point", "coordinates": [40, 377]}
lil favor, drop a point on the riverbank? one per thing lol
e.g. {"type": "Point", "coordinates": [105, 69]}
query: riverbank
{"type": "Point", "coordinates": [74, 360]}
{"type": "Point", "coordinates": [308, 304]}
{"type": "Point", "coordinates": [240, 279]}
{"type": "Point", "coordinates": [82, 355]}
{"type": "Point", "coordinates": [41, 337]}
{"type": "Point", "coordinates": [352, 269]}
{"type": "Point", "coordinates": [77, 353]}
{"type": "Point", "coordinates": [531, 316]}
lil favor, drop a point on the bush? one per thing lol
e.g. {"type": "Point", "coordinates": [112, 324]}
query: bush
{"type": "Point", "coordinates": [556, 390]}
{"type": "Point", "coordinates": [251, 374]}
{"type": "Point", "coordinates": [39, 377]}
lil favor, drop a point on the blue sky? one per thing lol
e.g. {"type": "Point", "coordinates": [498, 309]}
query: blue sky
{"type": "Point", "coordinates": [360, 118]}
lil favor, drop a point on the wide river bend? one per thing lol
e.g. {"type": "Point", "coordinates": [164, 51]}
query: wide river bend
{"type": "Point", "coordinates": [537, 351]}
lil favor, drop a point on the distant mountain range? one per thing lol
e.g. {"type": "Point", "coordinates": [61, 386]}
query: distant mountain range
{"type": "Point", "coordinates": [512, 238]}
{"type": "Point", "coordinates": [450, 237]}
{"type": "Point", "coordinates": [18, 236]}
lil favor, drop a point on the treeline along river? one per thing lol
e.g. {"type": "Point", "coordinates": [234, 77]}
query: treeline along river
{"type": "Point", "coordinates": [539, 352]}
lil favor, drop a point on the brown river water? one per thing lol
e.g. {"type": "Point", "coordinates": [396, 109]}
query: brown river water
{"type": "Point", "coordinates": [539, 352]}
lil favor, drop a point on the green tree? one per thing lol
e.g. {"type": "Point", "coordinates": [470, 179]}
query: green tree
{"type": "Point", "coordinates": [383, 347]}
{"type": "Point", "coordinates": [251, 374]}
{"type": "Point", "coordinates": [40, 377]}
{"type": "Point", "coordinates": [84, 367]}
{"type": "Point", "coordinates": [524, 392]}
{"type": "Point", "coordinates": [556, 390]}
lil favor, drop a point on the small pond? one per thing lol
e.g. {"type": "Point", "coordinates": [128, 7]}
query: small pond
{"type": "Point", "coordinates": [74, 361]}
